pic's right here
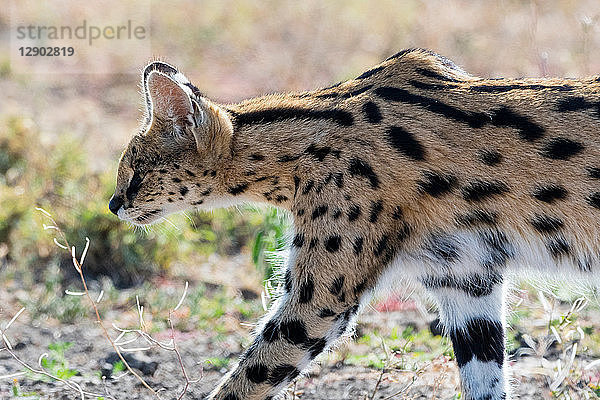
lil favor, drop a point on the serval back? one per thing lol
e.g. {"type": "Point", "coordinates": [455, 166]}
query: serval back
{"type": "Point", "coordinates": [414, 171]}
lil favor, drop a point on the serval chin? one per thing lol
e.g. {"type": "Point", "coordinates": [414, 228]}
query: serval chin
{"type": "Point", "coordinates": [413, 172]}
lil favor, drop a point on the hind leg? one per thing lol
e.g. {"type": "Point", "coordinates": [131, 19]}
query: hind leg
{"type": "Point", "coordinates": [473, 316]}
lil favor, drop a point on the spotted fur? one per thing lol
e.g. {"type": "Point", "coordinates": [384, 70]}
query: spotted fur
{"type": "Point", "coordinates": [414, 171]}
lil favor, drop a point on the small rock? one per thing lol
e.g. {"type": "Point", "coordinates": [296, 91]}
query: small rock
{"type": "Point", "coordinates": [146, 367]}
{"type": "Point", "coordinates": [19, 346]}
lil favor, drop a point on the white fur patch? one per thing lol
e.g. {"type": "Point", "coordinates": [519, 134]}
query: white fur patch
{"type": "Point", "coordinates": [483, 380]}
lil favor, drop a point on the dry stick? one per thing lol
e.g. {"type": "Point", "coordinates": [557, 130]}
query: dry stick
{"type": "Point", "coordinates": [385, 365]}
{"type": "Point", "coordinates": [176, 350]}
{"type": "Point", "coordinates": [78, 267]}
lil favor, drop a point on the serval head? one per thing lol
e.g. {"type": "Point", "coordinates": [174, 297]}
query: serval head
{"type": "Point", "coordinates": [175, 159]}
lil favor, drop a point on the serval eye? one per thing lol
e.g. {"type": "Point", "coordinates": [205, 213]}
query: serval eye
{"type": "Point", "coordinates": [134, 185]}
{"type": "Point", "coordinates": [414, 171]}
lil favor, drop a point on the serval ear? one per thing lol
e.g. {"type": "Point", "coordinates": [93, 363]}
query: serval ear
{"type": "Point", "coordinates": [171, 97]}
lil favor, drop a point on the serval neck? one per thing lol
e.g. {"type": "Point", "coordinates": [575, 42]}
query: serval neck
{"type": "Point", "coordinates": [273, 138]}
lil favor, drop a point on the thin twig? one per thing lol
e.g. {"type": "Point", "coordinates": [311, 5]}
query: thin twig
{"type": "Point", "coordinates": [78, 267]}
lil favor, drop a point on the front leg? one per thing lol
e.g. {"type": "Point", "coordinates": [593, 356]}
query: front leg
{"type": "Point", "coordinates": [316, 308]}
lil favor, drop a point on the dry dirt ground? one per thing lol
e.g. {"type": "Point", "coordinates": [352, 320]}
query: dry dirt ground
{"type": "Point", "coordinates": [332, 379]}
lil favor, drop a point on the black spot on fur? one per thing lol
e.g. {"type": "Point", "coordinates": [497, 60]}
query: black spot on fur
{"type": "Point", "coordinates": [480, 338]}
{"type": "Point", "coordinates": [332, 243]}
{"type": "Point", "coordinates": [280, 198]}
{"type": "Point", "coordinates": [298, 240]}
{"type": "Point", "coordinates": [546, 223]}
{"type": "Point", "coordinates": [382, 245]}
{"type": "Point", "coordinates": [477, 217]}
{"type": "Point", "coordinates": [585, 264]}
{"type": "Point", "coordinates": [376, 208]}
{"type": "Point", "coordinates": [436, 184]}
{"type": "Point", "coordinates": [432, 74]}
{"type": "Point", "coordinates": [294, 331]}
{"type": "Point", "coordinates": [231, 396]}
{"type": "Point", "coordinates": [528, 130]}
{"type": "Point", "coordinates": [256, 157]}
{"type": "Point", "coordinates": [356, 92]}
{"type": "Point", "coordinates": [360, 287]}
{"type": "Point", "coordinates": [353, 213]}
{"type": "Point", "coordinates": [326, 312]}
{"type": "Point", "coordinates": [401, 53]}
{"type": "Point", "coordinates": [358, 245]}
{"type": "Point", "coordinates": [238, 189]}
{"type": "Point", "coordinates": [550, 193]}
{"type": "Point", "coordinates": [313, 243]}
{"type": "Point", "coordinates": [397, 214]}
{"type": "Point", "coordinates": [593, 172]}
{"type": "Point", "coordinates": [561, 148]}
{"type": "Point", "coordinates": [271, 331]}
{"type": "Point", "coordinates": [265, 116]}
{"type": "Point", "coordinates": [287, 281]}
{"type": "Point", "coordinates": [578, 103]}
{"type": "Point", "coordinates": [282, 373]}
{"type": "Point", "coordinates": [503, 117]}
{"type": "Point", "coordinates": [307, 290]}
{"type": "Point", "coordinates": [474, 285]}
{"type": "Point", "coordinates": [361, 168]}
{"type": "Point", "coordinates": [479, 190]}
{"type": "Point", "coordinates": [498, 248]}
{"type": "Point", "coordinates": [337, 285]}
{"type": "Point", "coordinates": [345, 317]}
{"type": "Point", "coordinates": [369, 73]}
{"type": "Point", "coordinates": [183, 190]}
{"type": "Point", "coordinates": [337, 213]}
{"type": "Point", "coordinates": [257, 373]}
{"type": "Point", "coordinates": [372, 112]}
{"type": "Point", "coordinates": [490, 157]}
{"type": "Point", "coordinates": [405, 143]}
{"type": "Point", "coordinates": [558, 247]}
{"type": "Point", "coordinates": [443, 248]}
{"type": "Point", "coordinates": [318, 152]}
{"type": "Point", "coordinates": [594, 199]}
{"type": "Point", "coordinates": [190, 173]}
{"type": "Point", "coordinates": [508, 88]}
{"type": "Point", "coordinates": [300, 212]}
{"type": "Point", "coordinates": [287, 158]}
{"type": "Point", "coordinates": [316, 346]}
{"type": "Point", "coordinates": [296, 184]}
{"type": "Point", "coordinates": [474, 120]}
{"type": "Point", "coordinates": [176, 180]}
{"type": "Point", "coordinates": [338, 178]}
{"type": "Point", "coordinates": [319, 211]}
{"type": "Point", "coordinates": [308, 187]}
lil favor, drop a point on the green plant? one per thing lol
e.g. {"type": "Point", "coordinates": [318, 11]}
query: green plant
{"type": "Point", "coordinates": [270, 238]}
{"type": "Point", "coordinates": [55, 362]}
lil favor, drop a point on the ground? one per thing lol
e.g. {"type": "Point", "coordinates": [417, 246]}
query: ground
{"type": "Point", "coordinates": [392, 354]}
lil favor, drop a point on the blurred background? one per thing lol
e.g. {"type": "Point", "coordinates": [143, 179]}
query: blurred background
{"type": "Point", "coordinates": [61, 136]}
